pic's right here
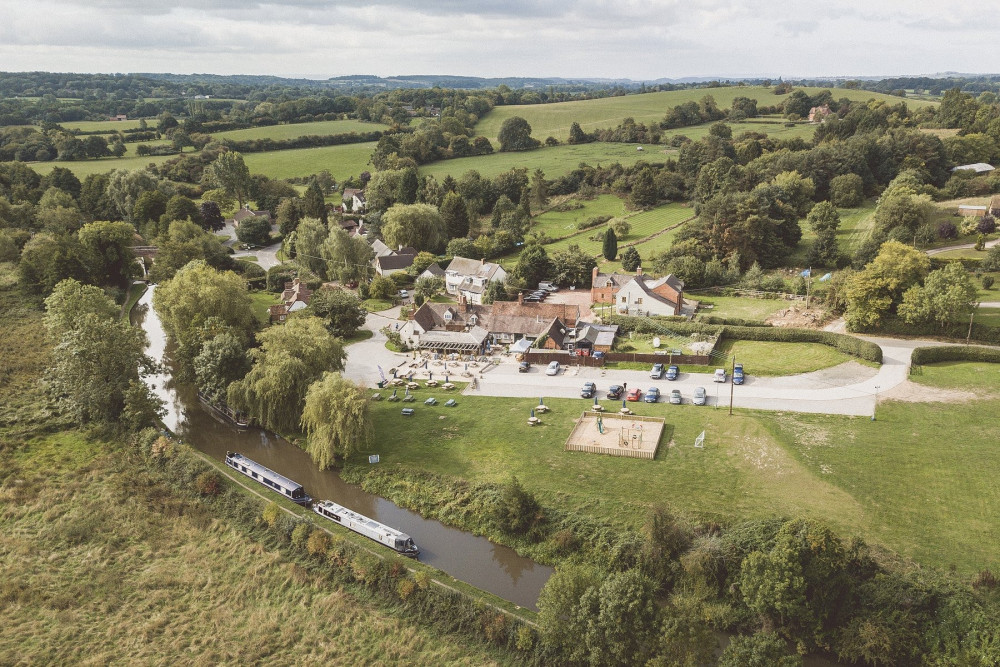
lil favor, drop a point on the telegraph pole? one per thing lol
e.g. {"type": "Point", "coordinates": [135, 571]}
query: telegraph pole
{"type": "Point", "coordinates": [875, 407]}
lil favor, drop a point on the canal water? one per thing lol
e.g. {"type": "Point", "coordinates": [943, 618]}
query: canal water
{"type": "Point", "coordinates": [466, 557]}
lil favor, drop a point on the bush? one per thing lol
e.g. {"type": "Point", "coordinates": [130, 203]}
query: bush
{"type": "Point", "coordinates": [947, 230]}
{"type": "Point", "coordinates": [988, 282]}
{"type": "Point", "coordinates": [208, 484]}
{"type": "Point", "coordinates": [300, 534]}
{"type": "Point", "coordinates": [318, 542]}
{"type": "Point", "coordinates": [987, 224]}
{"type": "Point", "coordinates": [592, 221]}
{"type": "Point", "coordinates": [271, 514]}
{"type": "Point", "coordinates": [931, 355]}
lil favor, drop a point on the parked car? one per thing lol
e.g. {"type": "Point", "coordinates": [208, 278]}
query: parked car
{"type": "Point", "coordinates": [548, 286]}
{"type": "Point", "coordinates": [720, 375]}
{"type": "Point", "coordinates": [675, 397]}
{"type": "Point", "coordinates": [523, 366]}
{"type": "Point", "coordinates": [738, 374]}
{"type": "Point", "coordinates": [657, 371]}
{"type": "Point", "coordinates": [403, 294]}
{"type": "Point", "coordinates": [652, 395]}
{"type": "Point", "coordinates": [615, 392]}
{"type": "Point", "coordinates": [672, 372]}
{"type": "Point", "coordinates": [531, 299]}
{"type": "Point", "coordinates": [633, 395]}
{"type": "Point", "coordinates": [699, 396]}
{"type": "Point", "coordinates": [589, 390]}
{"type": "Point", "coordinates": [553, 368]}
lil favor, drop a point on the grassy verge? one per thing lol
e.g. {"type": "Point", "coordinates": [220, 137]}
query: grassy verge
{"type": "Point", "coordinates": [959, 375]}
{"type": "Point", "coordinates": [766, 358]}
{"type": "Point", "coordinates": [376, 305]}
{"type": "Point", "coordinates": [736, 306]}
{"type": "Point", "coordinates": [260, 302]}
{"type": "Point", "coordinates": [358, 336]}
{"type": "Point", "coordinates": [135, 292]}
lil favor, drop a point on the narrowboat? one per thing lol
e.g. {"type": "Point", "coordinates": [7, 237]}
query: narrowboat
{"type": "Point", "coordinates": [272, 480]}
{"type": "Point", "coordinates": [237, 419]}
{"type": "Point", "coordinates": [390, 537]}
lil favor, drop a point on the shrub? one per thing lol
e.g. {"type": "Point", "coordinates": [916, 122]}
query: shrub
{"type": "Point", "coordinates": [947, 230]}
{"type": "Point", "coordinates": [565, 541]}
{"type": "Point", "coordinates": [988, 282]}
{"type": "Point", "coordinates": [300, 534]}
{"type": "Point", "coordinates": [987, 224]}
{"type": "Point", "coordinates": [405, 588]}
{"type": "Point", "coordinates": [986, 579]}
{"type": "Point", "coordinates": [208, 484]}
{"type": "Point", "coordinates": [592, 221]}
{"type": "Point", "coordinates": [271, 514]}
{"type": "Point", "coordinates": [930, 355]}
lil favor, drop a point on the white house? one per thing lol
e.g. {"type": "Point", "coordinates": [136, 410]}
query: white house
{"type": "Point", "coordinates": [469, 277]}
{"type": "Point", "coordinates": [642, 297]}
{"type": "Point", "coordinates": [354, 200]}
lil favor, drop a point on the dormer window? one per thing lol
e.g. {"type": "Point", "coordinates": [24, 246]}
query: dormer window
{"type": "Point", "coordinates": [473, 320]}
{"type": "Point", "coordinates": [447, 316]}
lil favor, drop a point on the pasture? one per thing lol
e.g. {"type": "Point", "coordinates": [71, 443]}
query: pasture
{"type": "Point", "coordinates": [294, 130]}
{"type": "Point", "coordinates": [84, 168]}
{"type": "Point", "coordinates": [109, 126]}
{"type": "Point", "coordinates": [341, 161]}
{"type": "Point", "coordinates": [555, 161]}
{"type": "Point", "coordinates": [555, 119]}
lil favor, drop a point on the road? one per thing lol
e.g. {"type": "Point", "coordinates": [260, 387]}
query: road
{"type": "Point", "coordinates": [848, 389]}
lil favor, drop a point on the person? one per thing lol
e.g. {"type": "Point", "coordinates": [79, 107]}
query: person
{"type": "Point", "coordinates": [624, 387]}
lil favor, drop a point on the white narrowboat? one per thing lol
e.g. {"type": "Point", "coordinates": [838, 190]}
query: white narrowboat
{"type": "Point", "coordinates": [272, 480]}
{"type": "Point", "coordinates": [390, 537]}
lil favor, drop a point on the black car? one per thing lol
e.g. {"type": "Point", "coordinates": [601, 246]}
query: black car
{"type": "Point", "coordinates": [615, 392]}
{"type": "Point", "coordinates": [589, 390]}
{"type": "Point", "coordinates": [523, 367]}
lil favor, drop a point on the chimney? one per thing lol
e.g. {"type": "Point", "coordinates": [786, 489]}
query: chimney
{"type": "Point", "coordinates": [520, 298]}
{"type": "Point", "coordinates": [638, 270]}
{"type": "Point", "coordinates": [593, 276]}
{"type": "Point", "coordinates": [482, 261]}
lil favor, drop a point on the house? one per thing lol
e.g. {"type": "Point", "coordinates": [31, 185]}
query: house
{"type": "Point", "coordinates": [469, 277]}
{"type": "Point", "coordinates": [353, 200]}
{"type": "Point", "coordinates": [511, 321]}
{"type": "Point", "coordinates": [977, 167]}
{"type": "Point", "coordinates": [605, 288]}
{"type": "Point", "coordinates": [432, 271]}
{"type": "Point", "coordinates": [394, 261]}
{"type": "Point", "coordinates": [294, 298]}
{"type": "Point", "coordinates": [650, 297]}
{"type": "Point", "coordinates": [819, 114]}
{"type": "Point", "coordinates": [449, 328]}
{"type": "Point", "coordinates": [245, 213]}
{"type": "Point", "coordinates": [119, 117]}
{"type": "Point", "coordinates": [380, 248]}
{"type": "Point", "coordinates": [595, 337]}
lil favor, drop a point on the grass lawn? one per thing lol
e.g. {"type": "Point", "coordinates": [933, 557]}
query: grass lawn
{"type": "Point", "coordinates": [555, 119]}
{"type": "Point", "coordinates": [739, 306]}
{"type": "Point", "coordinates": [135, 292]}
{"type": "Point", "coordinates": [555, 224]}
{"type": "Point", "coordinates": [963, 253]}
{"type": "Point", "coordinates": [991, 294]}
{"type": "Point", "coordinates": [260, 302]}
{"type": "Point", "coordinates": [294, 130]}
{"type": "Point", "coordinates": [988, 316]}
{"type": "Point", "coordinates": [765, 358]}
{"type": "Point", "coordinates": [554, 161]}
{"type": "Point", "coordinates": [957, 374]}
{"type": "Point", "coordinates": [894, 482]}
{"type": "Point", "coordinates": [854, 226]}
{"type": "Point", "coordinates": [376, 305]}
{"type": "Point", "coordinates": [358, 336]}
{"type": "Point", "coordinates": [341, 161]}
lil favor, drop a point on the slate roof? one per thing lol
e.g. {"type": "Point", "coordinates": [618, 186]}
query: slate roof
{"type": "Point", "coordinates": [472, 268]}
{"type": "Point", "coordinates": [434, 271]}
{"type": "Point", "coordinates": [394, 262]}
{"type": "Point", "coordinates": [430, 316]}
{"type": "Point", "coordinates": [566, 312]}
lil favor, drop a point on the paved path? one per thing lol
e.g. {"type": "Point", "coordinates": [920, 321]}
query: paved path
{"type": "Point", "coordinates": [960, 246]}
{"type": "Point", "coordinates": [267, 257]}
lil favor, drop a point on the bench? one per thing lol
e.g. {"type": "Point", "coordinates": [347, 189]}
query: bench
{"type": "Point", "coordinates": [407, 412]}
{"type": "Point", "coordinates": [376, 397]}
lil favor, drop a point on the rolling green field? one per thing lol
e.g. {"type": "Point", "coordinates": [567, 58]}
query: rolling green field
{"type": "Point", "coordinates": [555, 161]}
{"type": "Point", "coordinates": [554, 223]}
{"type": "Point", "coordinates": [109, 126]}
{"type": "Point", "coordinates": [555, 119]}
{"type": "Point", "coordinates": [341, 161]}
{"type": "Point", "coordinates": [775, 130]}
{"type": "Point", "coordinates": [84, 168]}
{"type": "Point", "coordinates": [895, 482]}
{"type": "Point", "coordinates": [293, 130]}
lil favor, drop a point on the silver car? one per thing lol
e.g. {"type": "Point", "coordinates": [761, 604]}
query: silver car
{"type": "Point", "coordinates": [699, 396]}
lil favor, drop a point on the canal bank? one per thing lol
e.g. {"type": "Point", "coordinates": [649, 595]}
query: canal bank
{"type": "Point", "coordinates": [465, 557]}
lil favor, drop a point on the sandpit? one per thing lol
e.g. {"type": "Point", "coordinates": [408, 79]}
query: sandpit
{"type": "Point", "coordinates": [624, 435]}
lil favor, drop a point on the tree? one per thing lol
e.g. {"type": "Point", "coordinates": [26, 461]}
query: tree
{"type": "Point", "coordinates": [124, 188]}
{"type": "Point", "coordinates": [149, 206]}
{"type": "Point", "coordinates": [348, 258]}
{"type": "Point", "coordinates": [108, 247]}
{"type": "Point", "coordinates": [562, 625]}
{"type": "Point", "coordinates": [47, 259]}
{"type": "Point", "coordinates": [577, 135]}
{"type": "Point", "coordinates": [427, 288]}
{"type": "Point", "coordinates": [644, 191]}
{"type": "Point", "coordinates": [573, 266]}
{"type": "Point", "coordinates": [495, 291]}
{"type": "Point", "coordinates": [610, 247]}
{"type": "Point", "coordinates": [408, 186]}
{"type": "Point", "coordinates": [230, 173]}
{"type": "Point", "coordinates": [184, 242]}
{"type": "Point", "coordinates": [288, 215]}
{"type": "Point", "coordinates": [764, 649]}
{"type": "Point", "coordinates": [313, 202]}
{"type": "Point", "coordinates": [872, 293]}
{"type": "Point", "coordinates": [533, 265]}
{"type": "Point", "coordinates": [539, 189]}
{"type": "Point", "coordinates": [196, 294]}
{"type": "Point", "coordinates": [515, 135]}
{"type": "Point", "coordinates": [96, 361]}
{"type": "Point", "coordinates": [456, 215]}
{"type": "Point", "coordinates": [631, 259]}
{"type": "Point", "coordinates": [947, 297]}
{"type": "Point", "coordinates": [824, 220]}
{"type": "Point", "coordinates": [847, 190]}
{"type": "Point", "coordinates": [180, 207]}
{"type": "Point", "coordinates": [382, 288]}
{"type": "Point", "coordinates": [222, 361]}
{"type": "Point", "coordinates": [622, 617]}
{"type": "Point", "coordinates": [308, 242]}
{"type": "Point", "coordinates": [210, 216]}
{"type": "Point", "coordinates": [254, 230]}
{"type": "Point", "coordinates": [336, 419]}
{"type": "Point", "coordinates": [340, 310]}
{"type": "Point", "coordinates": [290, 358]}
{"type": "Point", "coordinates": [417, 225]}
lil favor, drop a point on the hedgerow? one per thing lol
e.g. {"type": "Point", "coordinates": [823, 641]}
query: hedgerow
{"type": "Point", "coordinates": [930, 355]}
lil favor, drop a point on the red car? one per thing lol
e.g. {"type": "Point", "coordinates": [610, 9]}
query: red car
{"type": "Point", "coordinates": [633, 395]}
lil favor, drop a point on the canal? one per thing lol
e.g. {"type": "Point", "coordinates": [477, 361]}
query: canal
{"type": "Point", "coordinates": [464, 556]}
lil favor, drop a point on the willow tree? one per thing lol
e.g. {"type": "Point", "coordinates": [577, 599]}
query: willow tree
{"type": "Point", "coordinates": [336, 419]}
{"type": "Point", "coordinates": [290, 358]}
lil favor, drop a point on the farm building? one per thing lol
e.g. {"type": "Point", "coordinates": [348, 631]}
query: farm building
{"type": "Point", "coordinates": [978, 167]}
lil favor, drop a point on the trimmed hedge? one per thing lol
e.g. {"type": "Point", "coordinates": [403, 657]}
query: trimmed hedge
{"type": "Point", "coordinates": [733, 321]}
{"type": "Point", "coordinates": [930, 355]}
{"type": "Point", "coordinates": [981, 333]}
{"type": "Point", "coordinates": [855, 347]}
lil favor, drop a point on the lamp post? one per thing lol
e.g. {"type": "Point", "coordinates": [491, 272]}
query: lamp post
{"type": "Point", "coordinates": [875, 407]}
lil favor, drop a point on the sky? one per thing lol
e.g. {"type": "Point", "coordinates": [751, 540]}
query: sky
{"type": "Point", "coordinates": [628, 39]}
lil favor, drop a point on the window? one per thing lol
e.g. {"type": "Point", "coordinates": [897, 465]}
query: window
{"type": "Point", "coordinates": [473, 320]}
{"type": "Point", "coordinates": [638, 301]}
{"type": "Point", "coordinates": [447, 316]}
{"type": "Point", "coordinates": [624, 299]}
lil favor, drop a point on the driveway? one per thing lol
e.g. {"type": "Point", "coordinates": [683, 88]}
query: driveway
{"type": "Point", "coordinates": [267, 257]}
{"type": "Point", "coordinates": [960, 246]}
{"type": "Point", "coordinates": [365, 357]}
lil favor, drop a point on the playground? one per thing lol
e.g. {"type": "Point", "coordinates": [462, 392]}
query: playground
{"type": "Point", "coordinates": [633, 436]}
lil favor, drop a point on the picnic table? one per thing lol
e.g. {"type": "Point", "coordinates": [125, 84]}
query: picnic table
{"type": "Point", "coordinates": [412, 385]}
{"type": "Point", "coordinates": [625, 411]}
{"type": "Point", "coordinates": [431, 401]}
{"type": "Point", "coordinates": [597, 407]}
{"type": "Point", "coordinates": [448, 386]}
{"type": "Point", "coordinates": [407, 412]}
{"type": "Point", "coordinates": [408, 399]}
{"type": "Point", "coordinates": [534, 421]}
{"type": "Point", "coordinates": [431, 383]}
{"type": "Point", "coordinates": [450, 403]}
{"type": "Point", "coordinates": [542, 408]}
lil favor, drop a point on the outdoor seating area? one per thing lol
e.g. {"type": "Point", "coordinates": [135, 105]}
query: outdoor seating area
{"type": "Point", "coordinates": [408, 398]}
{"type": "Point", "coordinates": [534, 421]}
